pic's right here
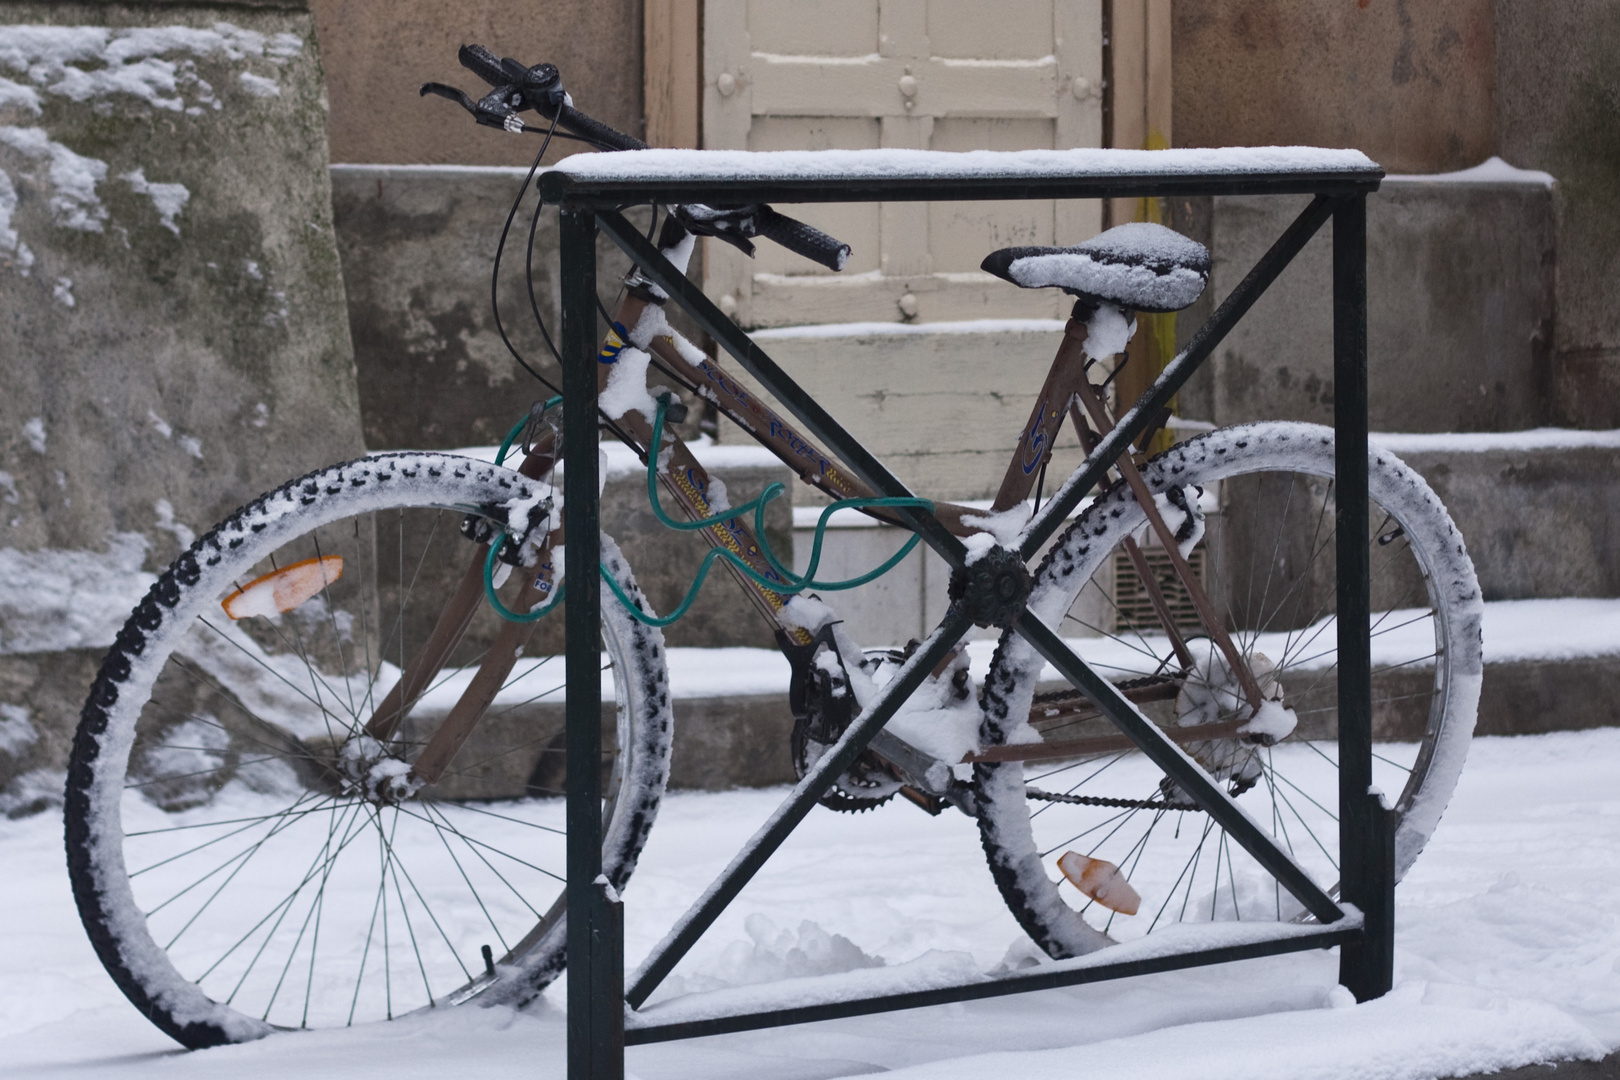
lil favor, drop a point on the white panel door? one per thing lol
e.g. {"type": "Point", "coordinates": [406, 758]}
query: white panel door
{"type": "Point", "coordinates": [922, 74]}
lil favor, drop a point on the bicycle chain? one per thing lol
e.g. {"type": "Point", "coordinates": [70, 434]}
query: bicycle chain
{"type": "Point", "coordinates": [1113, 804]}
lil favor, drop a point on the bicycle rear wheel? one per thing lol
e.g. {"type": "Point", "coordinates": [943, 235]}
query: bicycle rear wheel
{"type": "Point", "coordinates": [1268, 563]}
{"type": "Point", "coordinates": [237, 870]}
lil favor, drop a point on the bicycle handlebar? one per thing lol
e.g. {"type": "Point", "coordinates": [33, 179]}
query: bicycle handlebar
{"type": "Point", "coordinates": [802, 239]}
{"type": "Point", "coordinates": [517, 88]}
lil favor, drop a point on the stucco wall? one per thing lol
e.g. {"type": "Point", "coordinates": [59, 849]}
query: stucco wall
{"type": "Point", "coordinates": [1407, 81]}
{"type": "Point", "coordinates": [378, 55]}
{"type": "Point", "coordinates": [1558, 109]}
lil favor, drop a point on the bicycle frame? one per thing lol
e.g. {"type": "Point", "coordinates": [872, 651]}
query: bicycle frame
{"type": "Point", "coordinates": [1067, 387]}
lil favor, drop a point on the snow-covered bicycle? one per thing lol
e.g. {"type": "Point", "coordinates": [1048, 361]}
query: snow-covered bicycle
{"type": "Point", "coordinates": [317, 779]}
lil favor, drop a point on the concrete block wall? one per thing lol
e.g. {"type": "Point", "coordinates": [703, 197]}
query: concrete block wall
{"type": "Point", "coordinates": [1433, 88]}
{"type": "Point", "coordinates": [1460, 292]}
{"type": "Point", "coordinates": [1539, 510]}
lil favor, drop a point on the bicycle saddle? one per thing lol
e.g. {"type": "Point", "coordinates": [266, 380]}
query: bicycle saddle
{"type": "Point", "coordinates": [1141, 266]}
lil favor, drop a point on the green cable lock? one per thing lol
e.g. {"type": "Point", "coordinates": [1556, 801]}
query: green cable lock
{"type": "Point", "coordinates": [495, 543]}
{"type": "Point", "coordinates": [790, 585]}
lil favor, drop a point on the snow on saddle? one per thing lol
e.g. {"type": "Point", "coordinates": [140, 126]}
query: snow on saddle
{"type": "Point", "coordinates": [1139, 266]}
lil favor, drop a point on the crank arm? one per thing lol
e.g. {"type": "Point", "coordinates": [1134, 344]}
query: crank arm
{"type": "Point", "coordinates": [922, 771]}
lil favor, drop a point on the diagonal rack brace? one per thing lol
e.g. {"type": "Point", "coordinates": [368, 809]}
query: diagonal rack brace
{"type": "Point", "coordinates": [1182, 769]}
{"type": "Point", "coordinates": [685, 933]}
{"type": "Point", "coordinates": [1159, 748]}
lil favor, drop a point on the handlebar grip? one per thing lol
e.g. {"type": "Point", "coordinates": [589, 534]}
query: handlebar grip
{"type": "Point", "coordinates": [801, 239]}
{"type": "Point", "coordinates": [597, 132]}
{"type": "Point", "coordinates": [484, 64]}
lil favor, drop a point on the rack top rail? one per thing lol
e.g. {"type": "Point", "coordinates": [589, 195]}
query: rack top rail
{"type": "Point", "coordinates": [905, 175]}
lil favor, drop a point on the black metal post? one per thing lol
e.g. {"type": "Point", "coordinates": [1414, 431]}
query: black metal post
{"type": "Point", "coordinates": [595, 1026]}
{"type": "Point", "coordinates": [1365, 874]}
{"type": "Point", "coordinates": [1367, 961]}
{"type": "Point", "coordinates": [607, 982]}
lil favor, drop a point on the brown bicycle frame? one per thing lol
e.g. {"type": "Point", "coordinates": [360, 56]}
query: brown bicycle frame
{"type": "Point", "coordinates": [1067, 387]}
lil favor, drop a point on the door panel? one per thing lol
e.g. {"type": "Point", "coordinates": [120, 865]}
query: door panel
{"type": "Point", "coordinates": [1004, 30]}
{"type": "Point", "coordinates": [921, 74]}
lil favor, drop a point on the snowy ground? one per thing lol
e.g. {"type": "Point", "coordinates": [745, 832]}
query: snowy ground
{"type": "Point", "coordinates": [1508, 952]}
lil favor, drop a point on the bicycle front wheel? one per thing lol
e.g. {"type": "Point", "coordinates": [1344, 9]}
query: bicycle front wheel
{"type": "Point", "coordinates": [235, 864]}
{"type": "Point", "coordinates": [1064, 832]}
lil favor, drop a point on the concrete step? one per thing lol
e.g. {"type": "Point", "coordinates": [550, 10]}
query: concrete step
{"type": "Point", "coordinates": [1539, 510]}
{"type": "Point", "coordinates": [1550, 665]}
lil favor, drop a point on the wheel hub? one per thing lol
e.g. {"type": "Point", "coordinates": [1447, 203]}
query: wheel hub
{"type": "Point", "coordinates": [993, 588]}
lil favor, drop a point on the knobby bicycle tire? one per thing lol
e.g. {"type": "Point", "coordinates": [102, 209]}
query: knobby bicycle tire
{"type": "Point", "coordinates": [230, 882]}
{"type": "Point", "coordinates": [1272, 480]}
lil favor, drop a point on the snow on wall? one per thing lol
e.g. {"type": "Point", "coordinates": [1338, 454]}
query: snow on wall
{"type": "Point", "coordinates": [53, 600]}
{"type": "Point", "coordinates": [870, 329]}
{"type": "Point", "coordinates": [74, 202]}
{"type": "Point", "coordinates": [1478, 442]}
{"type": "Point", "coordinates": [94, 64]}
{"type": "Point", "coordinates": [1493, 170]}
{"type": "Point", "coordinates": [156, 64]}
{"type": "Point", "coordinates": [168, 199]}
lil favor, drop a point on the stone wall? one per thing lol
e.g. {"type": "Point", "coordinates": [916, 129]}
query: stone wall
{"type": "Point", "coordinates": [173, 335]}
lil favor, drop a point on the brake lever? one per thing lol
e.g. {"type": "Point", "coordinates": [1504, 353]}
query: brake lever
{"type": "Point", "coordinates": [492, 110]}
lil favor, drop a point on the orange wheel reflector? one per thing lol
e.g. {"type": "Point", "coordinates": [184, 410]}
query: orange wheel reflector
{"type": "Point", "coordinates": [282, 590]}
{"type": "Point", "coordinates": [1100, 880]}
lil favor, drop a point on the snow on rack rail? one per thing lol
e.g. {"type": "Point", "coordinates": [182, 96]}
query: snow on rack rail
{"type": "Point", "coordinates": [893, 164]}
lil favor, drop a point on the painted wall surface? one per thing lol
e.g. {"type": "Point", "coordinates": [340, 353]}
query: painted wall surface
{"type": "Point", "coordinates": [1408, 82]}
{"type": "Point", "coordinates": [379, 54]}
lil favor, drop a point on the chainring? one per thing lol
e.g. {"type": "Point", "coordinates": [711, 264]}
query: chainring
{"type": "Point", "coordinates": [829, 708]}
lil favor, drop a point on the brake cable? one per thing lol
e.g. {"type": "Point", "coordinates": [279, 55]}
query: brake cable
{"type": "Point", "coordinates": [495, 277]}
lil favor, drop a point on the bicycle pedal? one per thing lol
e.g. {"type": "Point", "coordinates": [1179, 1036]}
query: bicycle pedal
{"type": "Point", "coordinates": [1100, 880]}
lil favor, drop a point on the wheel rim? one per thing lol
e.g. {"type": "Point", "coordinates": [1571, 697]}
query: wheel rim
{"type": "Point", "coordinates": [302, 904]}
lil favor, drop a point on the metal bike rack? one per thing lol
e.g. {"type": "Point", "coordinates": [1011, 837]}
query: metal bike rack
{"type": "Point", "coordinates": [1360, 921]}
